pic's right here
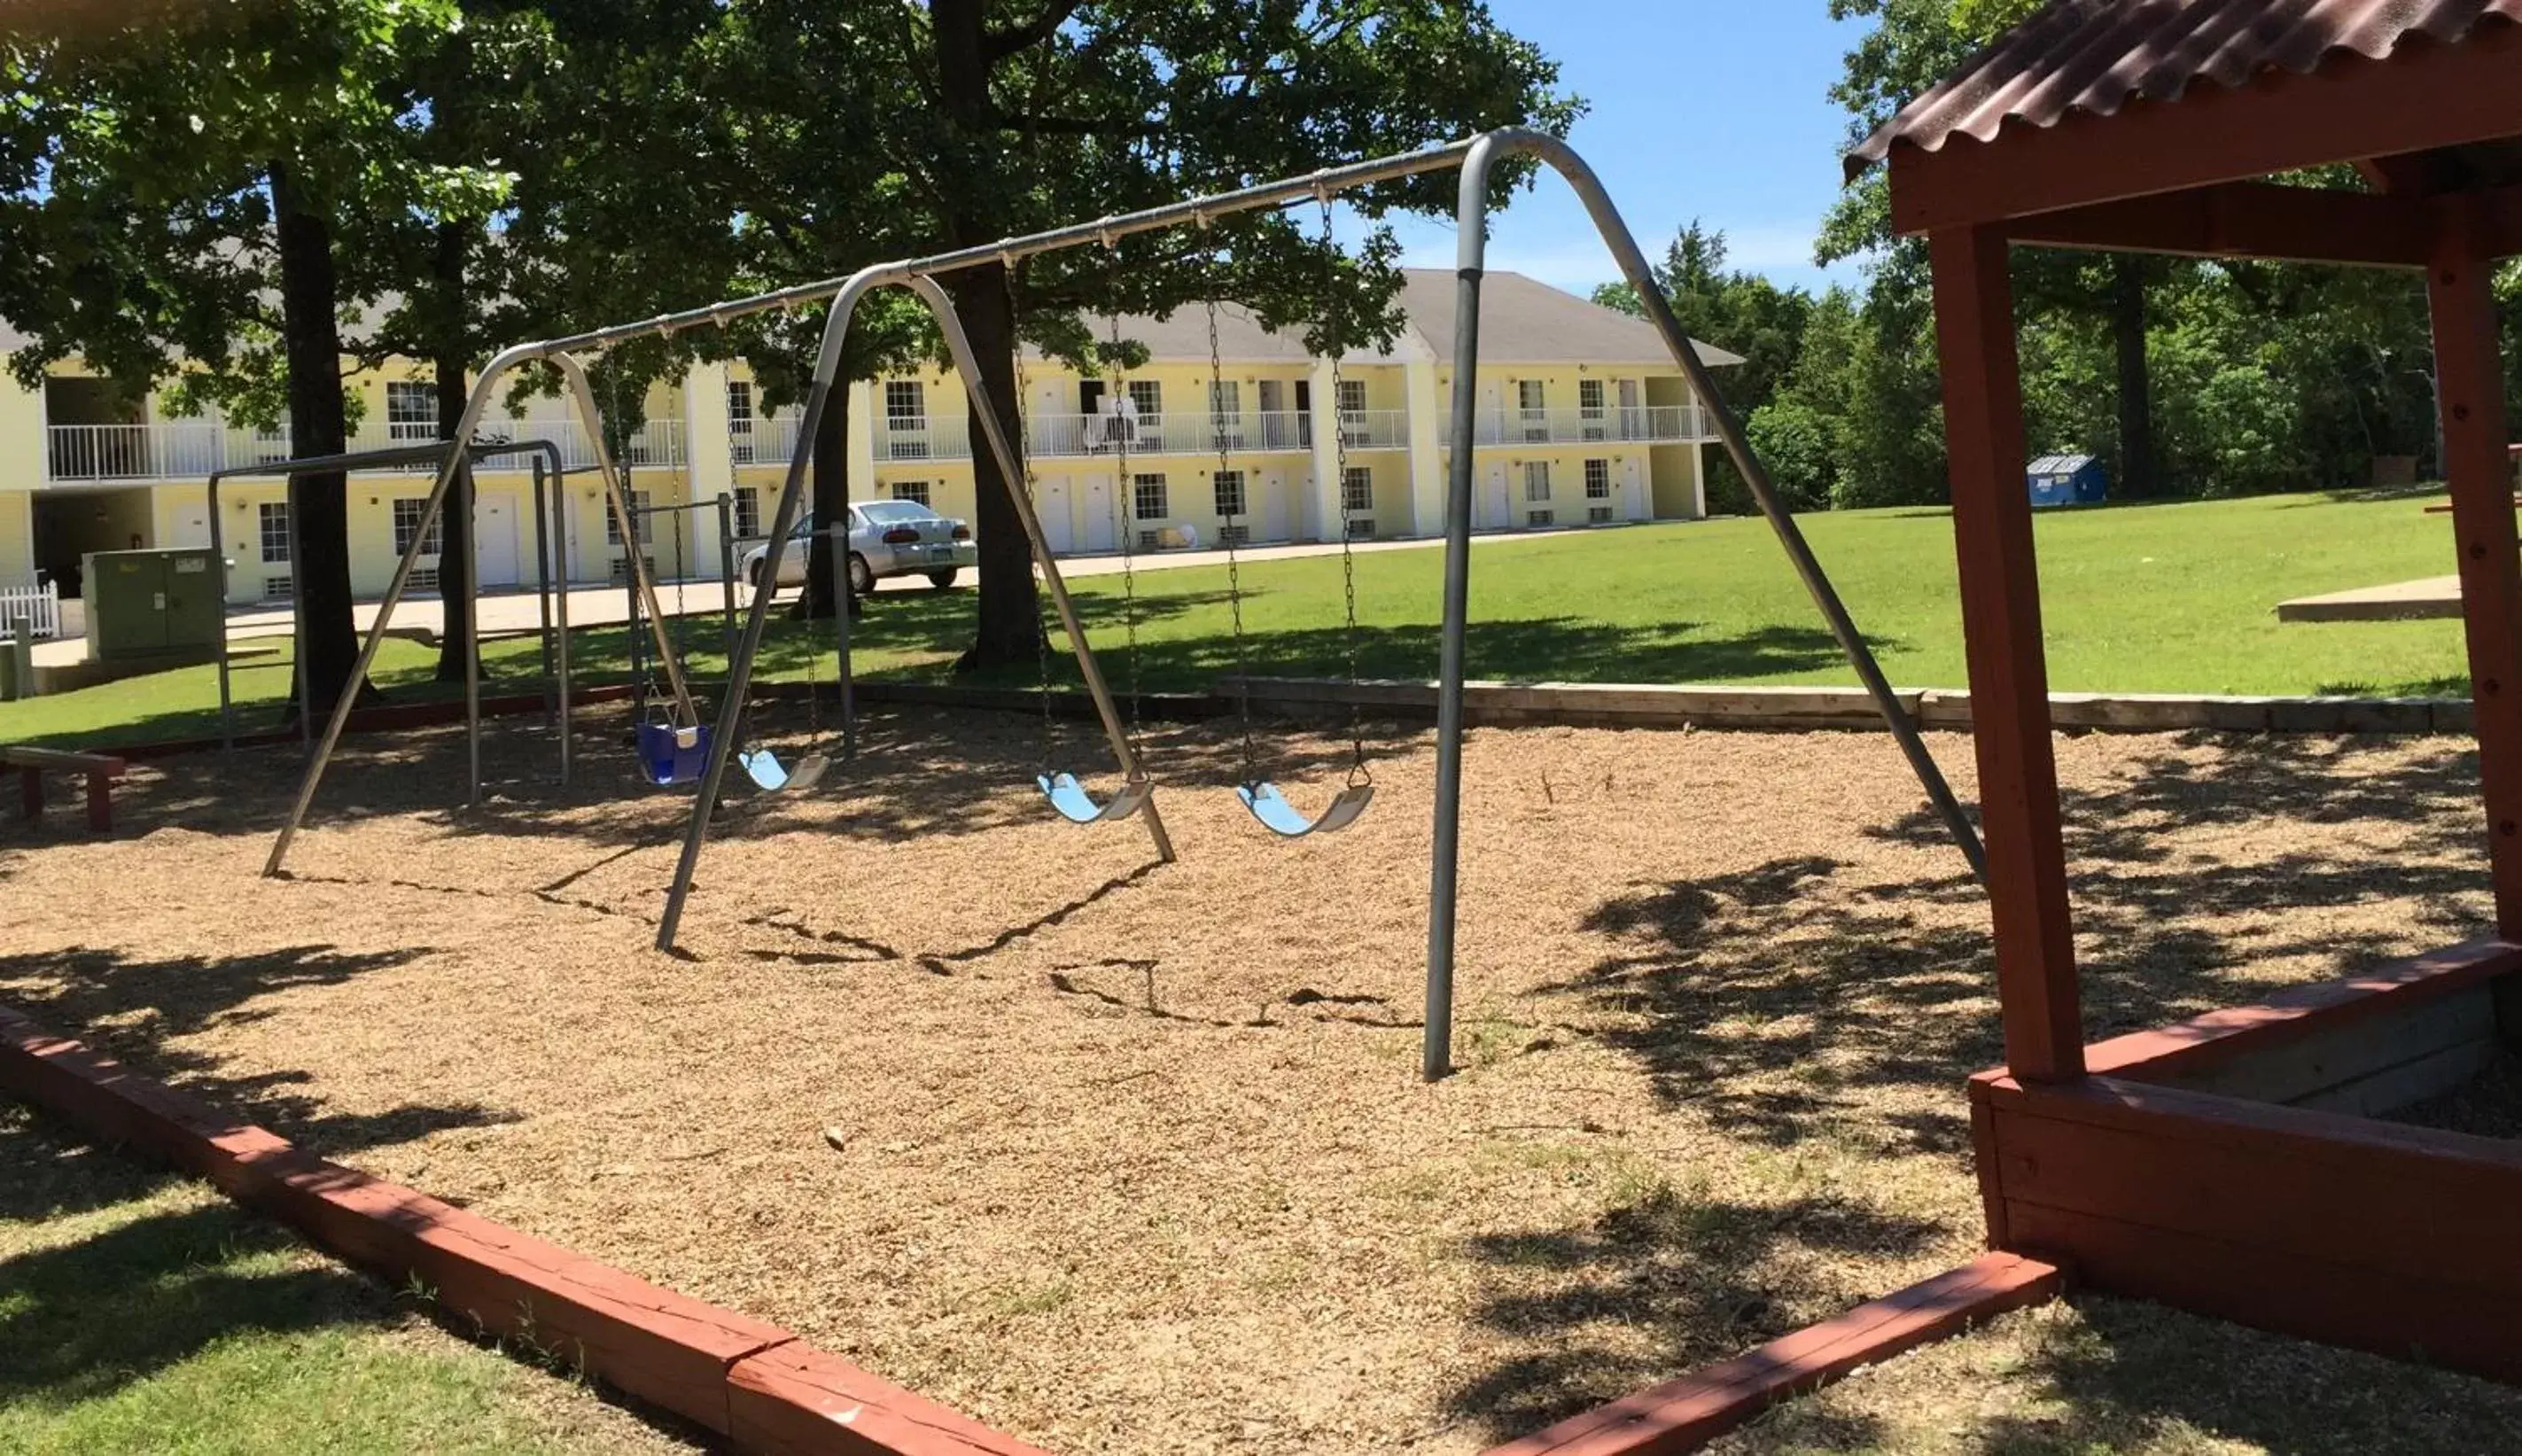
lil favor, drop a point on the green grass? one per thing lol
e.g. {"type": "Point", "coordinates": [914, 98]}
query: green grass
{"type": "Point", "coordinates": [2167, 598]}
{"type": "Point", "coordinates": [143, 1313]}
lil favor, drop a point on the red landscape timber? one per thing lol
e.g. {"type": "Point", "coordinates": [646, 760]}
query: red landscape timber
{"type": "Point", "coordinates": [753, 1383]}
{"type": "Point", "coordinates": [1690, 1412]}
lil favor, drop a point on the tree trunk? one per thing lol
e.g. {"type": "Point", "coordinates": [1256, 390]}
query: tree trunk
{"type": "Point", "coordinates": [829, 498]}
{"type": "Point", "coordinates": [2136, 381]}
{"type": "Point", "coordinates": [455, 645]}
{"type": "Point", "coordinates": [1010, 623]}
{"type": "Point", "coordinates": [319, 505]}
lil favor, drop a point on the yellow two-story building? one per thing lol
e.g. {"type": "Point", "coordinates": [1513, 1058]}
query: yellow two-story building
{"type": "Point", "coordinates": [1581, 419]}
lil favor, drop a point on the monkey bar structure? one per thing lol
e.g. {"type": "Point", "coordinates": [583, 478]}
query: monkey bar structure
{"type": "Point", "coordinates": [1476, 160]}
{"type": "Point", "coordinates": [2239, 1164]}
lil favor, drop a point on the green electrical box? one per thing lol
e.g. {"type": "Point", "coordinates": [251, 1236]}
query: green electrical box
{"type": "Point", "coordinates": [153, 604]}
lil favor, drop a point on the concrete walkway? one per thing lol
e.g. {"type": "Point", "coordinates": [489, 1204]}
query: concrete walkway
{"type": "Point", "coordinates": [2425, 600]}
{"type": "Point", "coordinates": [512, 612]}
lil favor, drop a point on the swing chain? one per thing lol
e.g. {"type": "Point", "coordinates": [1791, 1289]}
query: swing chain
{"type": "Point", "coordinates": [1229, 531]}
{"type": "Point", "coordinates": [1357, 771]}
{"type": "Point", "coordinates": [1126, 502]}
{"type": "Point", "coordinates": [1024, 448]}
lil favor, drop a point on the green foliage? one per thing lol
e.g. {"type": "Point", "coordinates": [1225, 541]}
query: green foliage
{"type": "Point", "coordinates": [1740, 311]}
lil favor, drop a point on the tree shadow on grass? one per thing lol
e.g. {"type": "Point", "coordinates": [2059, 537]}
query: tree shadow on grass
{"type": "Point", "coordinates": [137, 1011]}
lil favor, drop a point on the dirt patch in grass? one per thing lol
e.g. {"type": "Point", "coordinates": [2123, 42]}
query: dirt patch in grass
{"type": "Point", "coordinates": [1134, 1158]}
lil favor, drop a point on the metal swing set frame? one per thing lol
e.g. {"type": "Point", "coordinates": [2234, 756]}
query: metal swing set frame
{"type": "Point", "coordinates": [1475, 157]}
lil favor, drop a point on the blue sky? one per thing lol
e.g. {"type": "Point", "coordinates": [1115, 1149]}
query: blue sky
{"type": "Point", "coordinates": [1713, 108]}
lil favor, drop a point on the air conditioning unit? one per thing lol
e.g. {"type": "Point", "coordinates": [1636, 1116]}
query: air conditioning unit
{"type": "Point", "coordinates": [1540, 518]}
{"type": "Point", "coordinates": [1360, 530]}
{"type": "Point", "coordinates": [1597, 515]}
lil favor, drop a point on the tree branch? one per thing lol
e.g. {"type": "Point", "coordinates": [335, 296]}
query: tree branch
{"type": "Point", "coordinates": [1076, 125]}
{"type": "Point", "coordinates": [998, 45]}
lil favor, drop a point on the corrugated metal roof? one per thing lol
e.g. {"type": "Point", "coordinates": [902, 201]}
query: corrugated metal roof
{"type": "Point", "coordinates": [2094, 57]}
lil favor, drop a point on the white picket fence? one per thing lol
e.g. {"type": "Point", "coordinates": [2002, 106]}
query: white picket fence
{"type": "Point", "coordinates": [39, 605]}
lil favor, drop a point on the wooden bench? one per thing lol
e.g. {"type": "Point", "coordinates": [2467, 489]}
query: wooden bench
{"type": "Point", "coordinates": [32, 764]}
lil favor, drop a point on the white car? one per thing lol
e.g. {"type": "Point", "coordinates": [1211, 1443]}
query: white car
{"type": "Point", "coordinates": [887, 539]}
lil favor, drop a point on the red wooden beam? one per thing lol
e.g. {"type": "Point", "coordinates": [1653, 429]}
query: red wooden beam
{"type": "Point", "coordinates": [2248, 219]}
{"type": "Point", "coordinates": [2425, 98]}
{"type": "Point", "coordinates": [2009, 674]}
{"type": "Point", "coordinates": [1687, 1414]}
{"type": "Point", "coordinates": [2470, 370]}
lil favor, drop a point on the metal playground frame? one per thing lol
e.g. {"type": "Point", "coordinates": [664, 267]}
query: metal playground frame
{"type": "Point", "coordinates": [1475, 157]}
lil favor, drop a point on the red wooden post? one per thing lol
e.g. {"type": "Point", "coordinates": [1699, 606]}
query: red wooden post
{"type": "Point", "coordinates": [30, 792]}
{"type": "Point", "coordinates": [2470, 367]}
{"type": "Point", "coordinates": [2009, 672]}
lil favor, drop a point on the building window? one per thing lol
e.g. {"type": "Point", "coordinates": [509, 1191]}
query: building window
{"type": "Point", "coordinates": [1230, 492]}
{"type": "Point", "coordinates": [613, 519]}
{"type": "Point", "coordinates": [272, 445]}
{"type": "Point", "coordinates": [748, 511]}
{"type": "Point", "coordinates": [1529, 394]}
{"type": "Point", "coordinates": [1597, 515]}
{"type": "Point", "coordinates": [277, 589]}
{"type": "Point", "coordinates": [1598, 480]}
{"type": "Point", "coordinates": [1147, 497]}
{"type": "Point", "coordinates": [1147, 397]}
{"type": "Point", "coordinates": [1356, 489]}
{"type": "Point", "coordinates": [406, 520]}
{"type": "Point", "coordinates": [1233, 536]}
{"type": "Point", "coordinates": [1352, 397]}
{"type": "Point", "coordinates": [740, 419]}
{"type": "Point", "coordinates": [1536, 480]}
{"type": "Point", "coordinates": [273, 522]}
{"type": "Point", "coordinates": [906, 419]}
{"type": "Point", "coordinates": [1540, 518]}
{"type": "Point", "coordinates": [411, 412]}
{"type": "Point", "coordinates": [1361, 528]}
{"type": "Point", "coordinates": [911, 490]}
{"type": "Point", "coordinates": [1589, 408]}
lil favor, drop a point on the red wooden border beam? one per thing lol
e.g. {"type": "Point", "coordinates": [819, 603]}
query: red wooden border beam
{"type": "Point", "coordinates": [1690, 1412]}
{"type": "Point", "coordinates": [2299, 1011]}
{"type": "Point", "coordinates": [2247, 219]}
{"type": "Point", "coordinates": [2427, 96]}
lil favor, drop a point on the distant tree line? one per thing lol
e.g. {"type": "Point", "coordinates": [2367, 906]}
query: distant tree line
{"type": "Point", "coordinates": [2187, 378]}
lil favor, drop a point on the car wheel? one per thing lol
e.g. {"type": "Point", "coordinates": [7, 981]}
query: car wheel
{"type": "Point", "coordinates": [941, 579]}
{"type": "Point", "coordinates": [861, 575]}
{"type": "Point", "coordinates": [753, 573]}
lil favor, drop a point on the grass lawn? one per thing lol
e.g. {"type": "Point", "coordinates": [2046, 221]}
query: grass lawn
{"type": "Point", "coordinates": [144, 1313]}
{"type": "Point", "coordinates": [2164, 598]}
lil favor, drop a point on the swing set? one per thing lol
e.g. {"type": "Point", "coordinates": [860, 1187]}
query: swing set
{"type": "Point", "coordinates": [1476, 158]}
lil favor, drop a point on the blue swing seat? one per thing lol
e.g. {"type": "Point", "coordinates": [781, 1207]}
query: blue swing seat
{"type": "Point", "coordinates": [1078, 807]}
{"type": "Point", "coordinates": [670, 755]}
{"type": "Point", "coordinates": [764, 767]}
{"type": "Point", "coordinates": [1283, 819]}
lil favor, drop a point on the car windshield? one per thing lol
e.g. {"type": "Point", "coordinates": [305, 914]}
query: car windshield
{"type": "Point", "coordinates": [882, 511]}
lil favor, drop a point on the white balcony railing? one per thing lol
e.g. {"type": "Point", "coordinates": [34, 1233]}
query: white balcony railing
{"type": "Point", "coordinates": [763, 442]}
{"type": "Point", "coordinates": [83, 453]}
{"type": "Point", "coordinates": [1640, 424]}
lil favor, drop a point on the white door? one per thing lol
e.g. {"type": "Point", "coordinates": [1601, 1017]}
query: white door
{"type": "Point", "coordinates": [494, 541]}
{"type": "Point", "coordinates": [1274, 505]}
{"type": "Point", "coordinates": [1495, 512]}
{"type": "Point", "coordinates": [1633, 494]}
{"type": "Point", "coordinates": [1051, 503]}
{"type": "Point", "coordinates": [1102, 524]}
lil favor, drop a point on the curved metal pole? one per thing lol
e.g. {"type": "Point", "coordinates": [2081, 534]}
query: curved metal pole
{"type": "Point", "coordinates": [1012, 471]}
{"type": "Point", "coordinates": [739, 673]}
{"type": "Point", "coordinates": [475, 406]}
{"type": "Point", "coordinates": [1471, 231]}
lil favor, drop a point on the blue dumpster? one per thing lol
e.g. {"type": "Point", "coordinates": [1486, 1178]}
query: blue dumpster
{"type": "Point", "coordinates": [2067, 480]}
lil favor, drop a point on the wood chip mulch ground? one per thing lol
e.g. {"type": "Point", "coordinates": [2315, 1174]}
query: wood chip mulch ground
{"type": "Point", "coordinates": [1135, 1159]}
